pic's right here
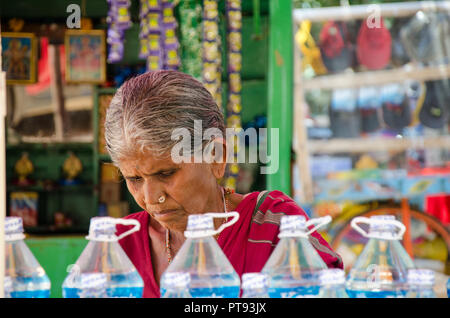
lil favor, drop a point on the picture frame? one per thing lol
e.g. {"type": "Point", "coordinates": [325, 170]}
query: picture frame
{"type": "Point", "coordinates": [19, 57]}
{"type": "Point", "coordinates": [85, 52]}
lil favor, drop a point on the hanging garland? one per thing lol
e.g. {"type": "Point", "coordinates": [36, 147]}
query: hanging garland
{"type": "Point", "coordinates": [234, 57]}
{"type": "Point", "coordinates": [158, 42]}
{"type": "Point", "coordinates": [191, 40]}
{"type": "Point", "coordinates": [211, 71]}
{"type": "Point", "coordinates": [118, 20]}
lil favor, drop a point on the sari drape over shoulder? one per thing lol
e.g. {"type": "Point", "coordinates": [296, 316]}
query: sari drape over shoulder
{"type": "Point", "coordinates": [248, 243]}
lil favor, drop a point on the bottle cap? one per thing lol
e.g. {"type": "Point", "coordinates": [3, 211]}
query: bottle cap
{"type": "Point", "coordinates": [200, 222]}
{"type": "Point", "coordinates": [103, 228]}
{"type": "Point", "coordinates": [298, 226]}
{"type": "Point", "coordinates": [254, 281]}
{"type": "Point", "coordinates": [333, 276]}
{"type": "Point", "coordinates": [202, 225]}
{"type": "Point", "coordinates": [176, 280]}
{"type": "Point", "coordinates": [292, 224]}
{"type": "Point", "coordinates": [13, 228]}
{"type": "Point", "coordinates": [422, 277]}
{"type": "Point", "coordinates": [384, 227]}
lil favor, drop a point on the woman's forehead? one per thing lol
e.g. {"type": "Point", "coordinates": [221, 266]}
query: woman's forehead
{"type": "Point", "coordinates": [144, 162]}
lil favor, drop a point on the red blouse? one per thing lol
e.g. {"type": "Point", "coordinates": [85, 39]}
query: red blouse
{"type": "Point", "coordinates": [248, 243]}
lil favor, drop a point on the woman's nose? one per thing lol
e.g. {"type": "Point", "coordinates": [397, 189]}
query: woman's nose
{"type": "Point", "coordinates": [152, 193]}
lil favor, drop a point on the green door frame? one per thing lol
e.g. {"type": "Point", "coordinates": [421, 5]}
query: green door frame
{"type": "Point", "coordinates": [280, 90]}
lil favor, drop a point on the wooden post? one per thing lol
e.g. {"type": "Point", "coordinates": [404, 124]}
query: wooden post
{"type": "Point", "coordinates": [406, 220]}
{"type": "Point", "coordinates": [2, 173]}
{"type": "Point", "coordinates": [59, 115]}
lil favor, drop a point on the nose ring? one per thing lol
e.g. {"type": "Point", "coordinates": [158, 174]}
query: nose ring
{"type": "Point", "coordinates": [162, 199]}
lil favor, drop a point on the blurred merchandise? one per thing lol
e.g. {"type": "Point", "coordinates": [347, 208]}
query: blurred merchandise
{"type": "Point", "coordinates": [25, 206]}
{"type": "Point", "coordinates": [23, 168]}
{"type": "Point", "coordinates": [110, 192]}
{"type": "Point", "coordinates": [109, 173]}
{"type": "Point", "coordinates": [118, 210]}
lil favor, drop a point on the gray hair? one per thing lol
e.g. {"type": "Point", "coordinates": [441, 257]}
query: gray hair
{"type": "Point", "coordinates": [147, 108]}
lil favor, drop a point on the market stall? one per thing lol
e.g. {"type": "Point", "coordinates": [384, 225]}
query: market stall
{"type": "Point", "coordinates": [364, 137]}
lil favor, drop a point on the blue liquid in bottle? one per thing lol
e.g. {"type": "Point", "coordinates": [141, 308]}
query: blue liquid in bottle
{"type": "Point", "coordinates": [294, 266]}
{"type": "Point", "coordinates": [103, 270]}
{"type": "Point", "coordinates": [380, 271]}
{"type": "Point", "coordinates": [24, 276]}
{"type": "Point", "coordinates": [211, 273]}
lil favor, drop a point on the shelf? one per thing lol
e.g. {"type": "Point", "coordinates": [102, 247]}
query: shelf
{"type": "Point", "coordinates": [346, 13]}
{"type": "Point", "coordinates": [373, 78]}
{"type": "Point", "coordinates": [50, 146]}
{"type": "Point", "coordinates": [51, 229]}
{"type": "Point", "coordinates": [55, 188]}
{"type": "Point", "coordinates": [104, 157]}
{"type": "Point", "coordinates": [361, 145]}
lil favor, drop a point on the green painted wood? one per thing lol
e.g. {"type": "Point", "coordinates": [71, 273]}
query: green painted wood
{"type": "Point", "coordinates": [55, 254]}
{"type": "Point", "coordinates": [280, 90]}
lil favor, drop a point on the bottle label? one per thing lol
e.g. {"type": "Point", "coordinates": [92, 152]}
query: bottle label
{"type": "Point", "coordinates": [376, 294]}
{"type": "Point", "coordinates": [295, 292]}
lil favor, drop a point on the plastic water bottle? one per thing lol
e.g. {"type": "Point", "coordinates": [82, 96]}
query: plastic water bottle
{"type": "Point", "coordinates": [381, 269]}
{"type": "Point", "coordinates": [294, 266]}
{"type": "Point", "coordinates": [255, 285]}
{"type": "Point", "coordinates": [177, 285]}
{"type": "Point", "coordinates": [332, 283]}
{"type": "Point", "coordinates": [24, 276]}
{"type": "Point", "coordinates": [448, 288]}
{"type": "Point", "coordinates": [103, 270]}
{"type": "Point", "coordinates": [421, 283]}
{"type": "Point", "coordinates": [211, 273]}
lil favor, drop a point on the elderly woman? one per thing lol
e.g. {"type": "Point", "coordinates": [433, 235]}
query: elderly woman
{"type": "Point", "coordinates": [138, 132]}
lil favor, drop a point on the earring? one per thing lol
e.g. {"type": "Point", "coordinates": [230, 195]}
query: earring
{"type": "Point", "coordinates": [162, 199]}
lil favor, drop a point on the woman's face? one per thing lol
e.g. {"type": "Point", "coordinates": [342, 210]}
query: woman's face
{"type": "Point", "coordinates": [189, 188]}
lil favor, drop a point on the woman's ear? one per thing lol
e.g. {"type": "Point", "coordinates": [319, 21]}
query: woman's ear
{"type": "Point", "coordinates": [219, 153]}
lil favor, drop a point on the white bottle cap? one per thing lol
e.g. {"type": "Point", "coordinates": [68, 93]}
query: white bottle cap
{"type": "Point", "coordinates": [102, 228]}
{"type": "Point", "coordinates": [254, 281]}
{"type": "Point", "coordinates": [332, 276]}
{"type": "Point", "coordinates": [422, 277]}
{"type": "Point", "coordinates": [13, 228]}
{"type": "Point", "coordinates": [176, 280]}
{"type": "Point", "coordinates": [293, 224]}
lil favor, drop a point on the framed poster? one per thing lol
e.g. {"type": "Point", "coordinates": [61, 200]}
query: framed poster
{"type": "Point", "coordinates": [85, 56]}
{"type": "Point", "coordinates": [19, 57]}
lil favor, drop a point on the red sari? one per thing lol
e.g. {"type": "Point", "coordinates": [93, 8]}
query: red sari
{"type": "Point", "coordinates": [248, 243]}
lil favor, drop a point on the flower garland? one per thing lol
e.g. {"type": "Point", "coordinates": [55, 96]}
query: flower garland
{"type": "Point", "coordinates": [212, 72]}
{"type": "Point", "coordinates": [191, 41]}
{"type": "Point", "coordinates": [118, 20]}
{"type": "Point", "coordinates": [158, 42]}
{"type": "Point", "coordinates": [234, 106]}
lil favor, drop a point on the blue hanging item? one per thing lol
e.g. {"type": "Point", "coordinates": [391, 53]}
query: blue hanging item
{"type": "Point", "coordinates": [294, 266]}
{"type": "Point", "coordinates": [211, 273]}
{"type": "Point", "coordinates": [381, 269]}
{"type": "Point", "coordinates": [24, 276]}
{"type": "Point", "coordinates": [103, 270]}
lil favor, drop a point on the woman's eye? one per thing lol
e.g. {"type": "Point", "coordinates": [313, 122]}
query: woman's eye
{"type": "Point", "coordinates": [166, 173]}
{"type": "Point", "coordinates": [134, 179]}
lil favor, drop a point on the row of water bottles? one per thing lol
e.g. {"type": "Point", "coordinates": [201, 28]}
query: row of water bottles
{"type": "Point", "coordinates": [201, 269]}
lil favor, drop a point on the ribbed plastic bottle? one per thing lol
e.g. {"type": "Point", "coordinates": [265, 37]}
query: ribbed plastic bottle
{"type": "Point", "coordinates": [332, 283]}
{"type": "Point", "coordinates": [103, 270]}
{"type": "Point", "coordinates": [421, 283]}
{"type": "Point", "coordinates": [211, 273]}
{"type": "Point", "coordinates": [380, 271]}
{"type": "Point", "coordinates": [255, 285]}
{"type": "Point", "coordinates": [176, 285]}
{"type": "Point", "coordinates": [24, 276]}
{"type": "Point", "coordinates": [294, 266]}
